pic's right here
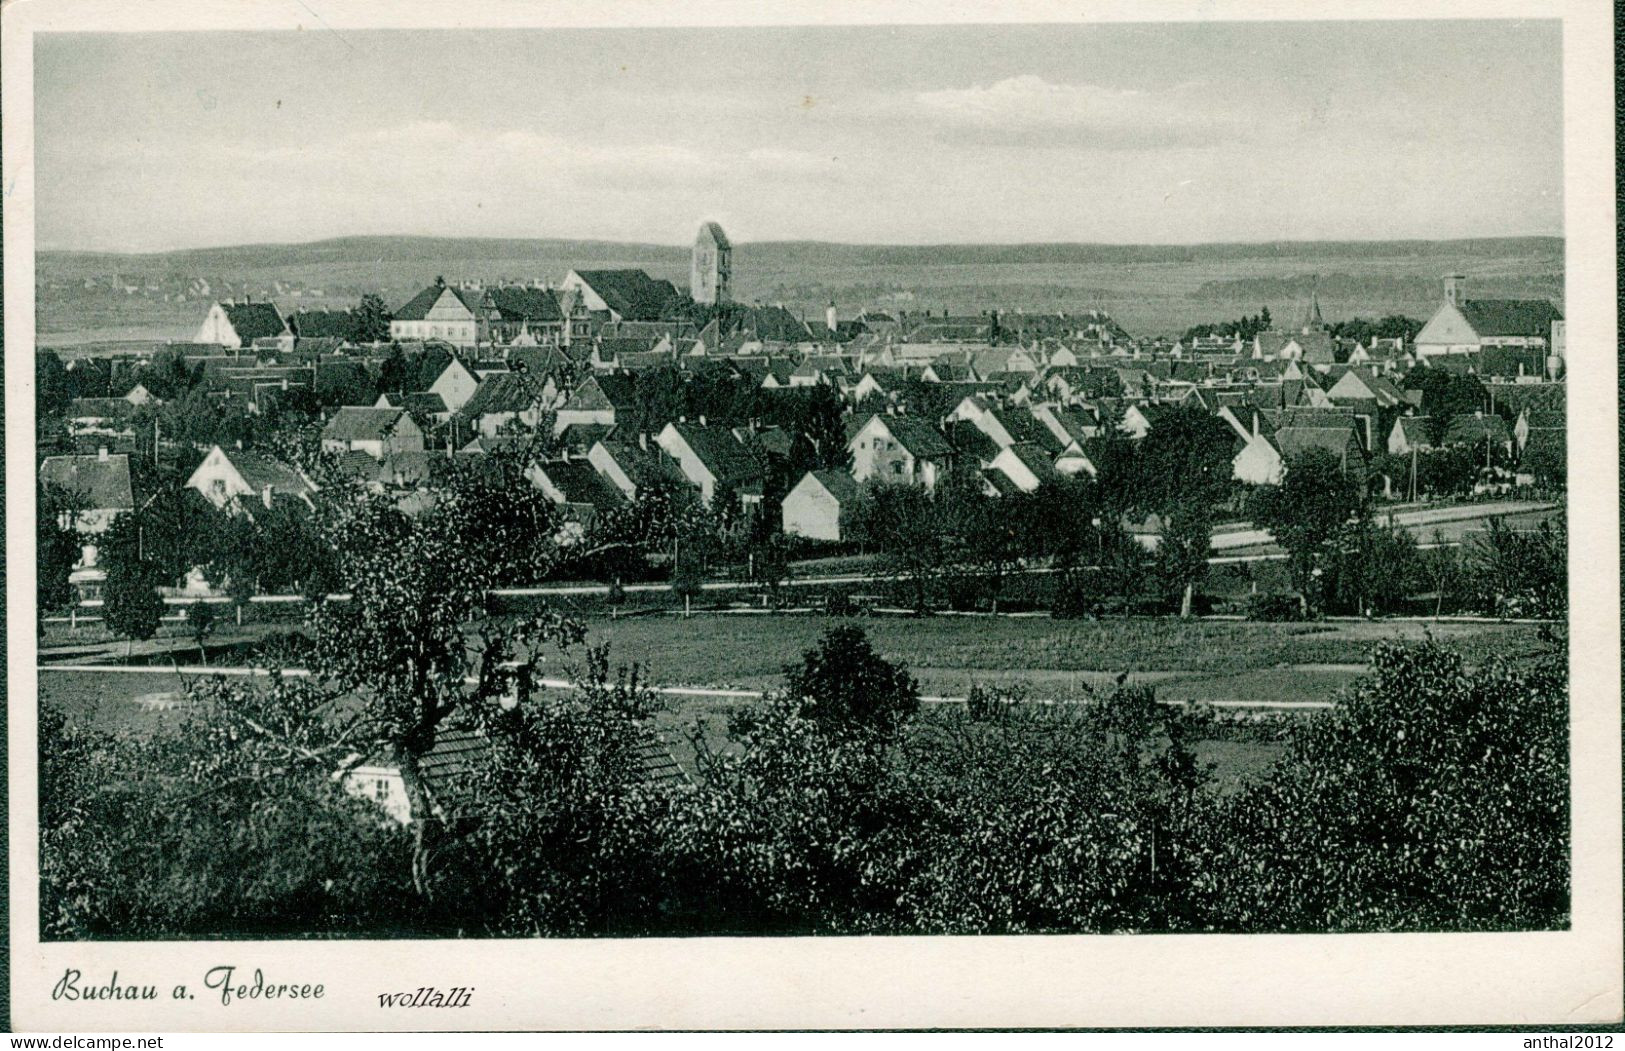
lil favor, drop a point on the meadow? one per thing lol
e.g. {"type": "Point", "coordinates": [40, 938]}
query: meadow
{"type": "Point", "coordinates": [1149, 290]}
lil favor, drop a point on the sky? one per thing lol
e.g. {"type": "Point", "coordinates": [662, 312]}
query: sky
{"type": "Point", "coordinates": [1152, 134]}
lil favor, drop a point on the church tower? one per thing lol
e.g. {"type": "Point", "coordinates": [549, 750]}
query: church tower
{"type": "Point", "coordinates": [710, 278]}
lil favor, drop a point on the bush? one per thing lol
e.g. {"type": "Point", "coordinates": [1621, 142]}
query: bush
{"type": "Point", "coordinates": [1073, 598]}
{"type": "Point", "coordinates": [1274, 606]}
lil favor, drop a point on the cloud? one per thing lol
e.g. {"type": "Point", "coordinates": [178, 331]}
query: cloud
{"type": "Point", "coordinates": [1029, 110]}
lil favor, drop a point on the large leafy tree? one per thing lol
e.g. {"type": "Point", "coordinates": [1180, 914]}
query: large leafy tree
{"type": "Point", "coordinates": [56, 544]}
{"type": "Point", "coordinates": [370, 321]}
{"type": "Point", "coordinates": [1435, 798]}
{"type": "Point", "coordinates": [1182, 553]}
{"type": "Point", "coordinates": [846, 687]}
{"type": "Point", "coordinates": [1307, 514]}
{"type": "Point", "coordinates": [131, 604]}
{"type": "Point", "coordinates": [903, 523]}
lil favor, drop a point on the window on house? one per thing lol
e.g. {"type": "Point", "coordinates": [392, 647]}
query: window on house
{"type": "Point", "coordinates": [897, 468]}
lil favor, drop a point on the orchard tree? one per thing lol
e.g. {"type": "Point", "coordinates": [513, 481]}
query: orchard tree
{"type": "Point", "coordinates": [370, 322]}
{"type": "Point", "coordinates": [1307, 514]}
{"type": "Point", "coordinates": [200, 621]}
{"type": "Point", "coordinates": [130, 603]}
{"type": "Point", "coordinates": [848, 688]}
{"type": "Point", "coordinates": [1182, 553]}
{"type": "Point", "coordinates": [903, 524]}
{"type": "Point", "coordinates": [56, 544]}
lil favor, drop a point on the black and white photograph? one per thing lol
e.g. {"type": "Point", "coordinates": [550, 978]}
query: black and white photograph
{"type": "Point", "coordinates": [529, 484]}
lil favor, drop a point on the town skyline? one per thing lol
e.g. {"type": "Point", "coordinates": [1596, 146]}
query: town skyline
{"type": "Point", "coordinates": [1122, 134]}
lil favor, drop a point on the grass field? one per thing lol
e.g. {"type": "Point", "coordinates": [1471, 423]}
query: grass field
{"type": "Point", "coordinates": [750, 650]}
{"type": "Point", "coordinates": [1148, 289]}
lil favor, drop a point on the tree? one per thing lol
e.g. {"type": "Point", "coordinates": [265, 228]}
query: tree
{"type": "Point", "coordinates": [846, 687]}
{"type": "Point", "coordinates": [1445, 395]}
{"type": "Point", "coordinates": [200, 621]}
{"type": "Point", "coordinates": [131, 604]}
{"type": "Point", "coordinates": [393, 373]}
{"type": "Point", "coordinates": [1433, 798]}
{"type": "Point", "coordinates": [1306, 514]}
{"type": "Point", "coordinates": [370, 322]}
{"type": "Point", "coordinates": [1521, 573]}
{"type": "Point", "coordinates": [1181, 559]}
{"type": "Point", "coordinates": [902, 523]}
{"type": "Point", "coordinates": [1185, 456]}
{"type": "Point", "coordinates": [52, 391]}
{"type": "Point", "coordinates": [56, 545]}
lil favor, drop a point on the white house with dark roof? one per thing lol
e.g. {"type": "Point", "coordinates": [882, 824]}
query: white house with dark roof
{"type": "Point", "coordinates": [460, 316]}
{"type": "Point", "coordinates": [376, 432]}
{"type": "Point", "coordinates": [622, 295]}
{"type": "Point", "coordinates": [239, 481]}
{"type": "Point", "coordinates": [99, 483]}
{"type": "Point", "coordinates": [238, 325]}
{"type": "Point", "coordinates": [902, 450]}
{"type": "Point", "coordinates": [820, 505]}
{"type": "Point", "coordinates": [1465, 326]}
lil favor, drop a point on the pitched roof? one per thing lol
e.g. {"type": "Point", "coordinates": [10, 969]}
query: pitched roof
{"type": "Point", "coordinates": [361, 423]}
{"type": "Point", "coordinates": [972, 441]}
{"type": "Point", "coordinates": [1292, 441]}
{"type": "Point", "coordinates": [920, 438]}
{"type": "Point", "coordinates": [307, 324]}
{"type": "Point", "coordinates": [101, 484]}
{"type": "Point", "coordinates": [502, 392]}
{"type": "Point", "coordinates": [579, 483]}
{"type": "Point", "coordinates": [417, 308]}
{"type": "Point", "coordinates": [722, 454]}
{"type": "Point", "coordinates": [632, 294]}
{"type": "Point", "coordinates": [839, 484]}
{"type": "Point", "coordinates": [253, 321]}
{"type": "Point", "coordinates": [260, 471]}
{"type": "Point", "coordinates": [1510, 317]}
{"type": "Point", "coordinates": [524, 304]}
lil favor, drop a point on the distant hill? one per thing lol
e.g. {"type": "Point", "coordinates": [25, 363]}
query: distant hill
{"type": "Point", "coordinates": [428, 249]}
{"type": "Point", "coordinates": [1149, 288]}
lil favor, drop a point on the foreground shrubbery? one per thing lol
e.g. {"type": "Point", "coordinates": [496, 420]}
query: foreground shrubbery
{"type": "Point", "coordinates": [1434, 798]}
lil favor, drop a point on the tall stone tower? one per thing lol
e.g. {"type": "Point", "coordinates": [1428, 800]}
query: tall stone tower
{"type": "Point", "coordinates": [710, 278]}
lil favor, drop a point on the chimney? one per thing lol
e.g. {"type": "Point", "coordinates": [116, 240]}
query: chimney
{"type": "Point", "coordinates": [643, 440]}
{"type": "Point", "coordinates": [101, 454]}
{"type": "Point", "coordinates": [1452, 289]}
{"type": "Point", "coordinates": [829, 316]}
{"type": "Point", "coordinates": [702, 419]}
{"type": "Point", "coordinates": [265, 495]}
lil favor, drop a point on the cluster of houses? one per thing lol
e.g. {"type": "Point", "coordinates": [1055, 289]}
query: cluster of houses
{"type": "Point", "coordinates": [1017, 398]}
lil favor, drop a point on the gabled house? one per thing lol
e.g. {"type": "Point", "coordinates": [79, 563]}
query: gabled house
{"type": "Point", "coordinates": [1025, 465]}
{"type": "Point", "coordinates": [504, 397]}
{"type": "Point", "coordinates": [1410, 434]}
{"type": "Point", "coordinates": [454, 381]}
{"type": "Point", "coordinates": [1362, 386]}
{"type": "Point", "coordinates": [99, 484]}
{"type": "Point", "coordinates": [237, 325]}
{"type": "Point", "coordinates": [576, 486]}
{"type": "Point", "coordinates": [460, 316]}
{"type": "Point", "coordinates": [632, 467]}
{"type": "Point", "coordinates": [624, 295]}
{"type": "Point", "coordinates": [713, 460]}
{"type": "Point", "coordinates": [899, 449]}
{"type": "Point", "coordinates": [376, 432]}
{"type": "Point", "coordinates": [241, 481]}
{"type": "Point", "coordinates": [603, 399]}
{"type": "Point", "coordinates": [819, 506]}
{"type": "Point", "coordinates": [1465, 326]}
